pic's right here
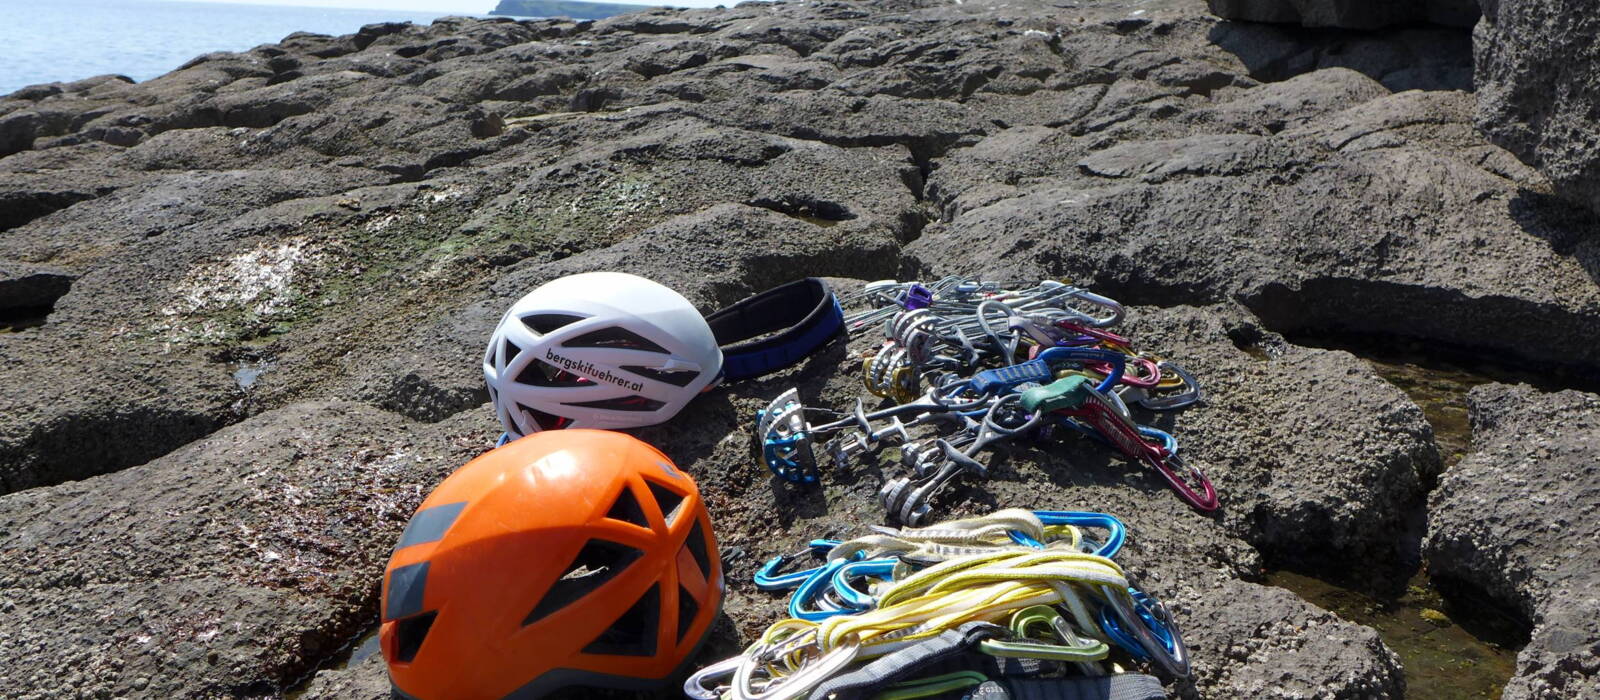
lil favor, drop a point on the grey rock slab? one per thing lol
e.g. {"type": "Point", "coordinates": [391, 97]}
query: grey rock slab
{"type": "Point", "coordinates": [1538, 75]}
{"type": "Point", "coordinates": [25, 196]}
{"type": "Point", "coordinates": [367, 680]}
{"type": "Point", "coordinates": [1305, 477]}
{"type": "Point", "coordinates": [1219, 155]}
{"type": "Point", "coordinates": [1296, 101]}
{"type": "Point", "coordinates": [147, 208]}
{"type": "Point", "coordinates": [1560, 659]}
{"type": "Point", "coordinates": [1264, 642]}
{"type": "Point", "coordinates": [63, 419]}
{"type": "Point", "coordinates": [229, 567]}
{"type": "Point", "coordinates": [1519, 518]}
{"type": "Point", "coordinates": [1392, 204]}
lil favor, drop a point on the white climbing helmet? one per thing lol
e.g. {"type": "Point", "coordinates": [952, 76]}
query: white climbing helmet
{"type": "Point", "coordinates": [598, 350]}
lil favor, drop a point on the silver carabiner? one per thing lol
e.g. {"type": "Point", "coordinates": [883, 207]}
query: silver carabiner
{"type": "Point", "coordinates": [696, 687]}
{"type": "Point", "coordinates": [799, 683]}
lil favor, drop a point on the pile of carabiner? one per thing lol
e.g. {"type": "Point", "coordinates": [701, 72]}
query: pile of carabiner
{"type": "Point", "coordinates": [1027, 595]}
{"type": "Point", "coordinates": [982, 362]}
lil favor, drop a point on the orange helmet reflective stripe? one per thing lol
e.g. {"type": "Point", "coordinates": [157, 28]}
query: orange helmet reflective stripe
{"type": "Point", "coordinates": [565, 558]}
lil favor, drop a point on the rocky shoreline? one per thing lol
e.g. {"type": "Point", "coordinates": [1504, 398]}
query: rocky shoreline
{"type": "Point", "coordinates": [248, 298]}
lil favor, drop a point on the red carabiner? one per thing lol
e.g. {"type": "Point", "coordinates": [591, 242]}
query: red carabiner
{"type": "Point", "coordinates": [1127, 440]}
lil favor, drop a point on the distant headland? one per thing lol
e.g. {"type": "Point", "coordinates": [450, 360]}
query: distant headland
{"type": "Point", "coordinates": [576, 9]}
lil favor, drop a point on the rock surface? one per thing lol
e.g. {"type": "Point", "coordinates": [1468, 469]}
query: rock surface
{"type": "Point", "coordinates": [229, 567]}
{"type": "Point", "coordinates": [1519, 519]}
{"type": "Point", "coordinates": [1538, 72]}
{"type": "Point", "coordinates": [309, 241]}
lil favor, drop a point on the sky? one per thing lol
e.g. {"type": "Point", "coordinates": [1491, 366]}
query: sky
{"type": "Point", "coordinates": [466, 7]}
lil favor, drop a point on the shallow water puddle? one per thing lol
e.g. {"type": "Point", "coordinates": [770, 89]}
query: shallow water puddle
{"type": "Point", "coordinates": [357, 651]}
{"type": "Point", "coordinates": [1442, 660]}
{"type": "Point", "coordinates": [1441, 392]}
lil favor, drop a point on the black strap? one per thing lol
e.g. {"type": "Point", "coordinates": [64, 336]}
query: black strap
{"type": "Point", "coordinates": [776, 328]}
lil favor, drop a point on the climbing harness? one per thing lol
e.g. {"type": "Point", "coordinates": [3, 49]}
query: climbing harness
{"type": "Point", "coordinates": [970, 364]}
{"type": "Point", "coordinates": [766, 332]}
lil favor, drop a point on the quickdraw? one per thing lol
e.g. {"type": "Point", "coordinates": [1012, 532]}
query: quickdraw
{"type": "Point", "coordinates": [1013, 584]}
{"type": "Point", "coordinates": [958, 357]}
{"type": "Point", "coordinates": [852, 570]}
{"type": "Point", "coordinates": [1088, 409]}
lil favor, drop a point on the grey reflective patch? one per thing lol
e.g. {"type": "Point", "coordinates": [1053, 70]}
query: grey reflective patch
{"type": "Point", "coordinates": [429, 525]}
{"type": "Point", "coordinates": [406, 585]}
{"type": "Point", "coordinates": [668, 469]}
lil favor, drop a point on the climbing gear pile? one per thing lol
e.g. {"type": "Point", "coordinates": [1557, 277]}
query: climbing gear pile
{"type": "Point", "coordinates": [979, 363]}
{"type": "Point", "coordinates": [914, 612]}
{"type": "Point", "coordinates": [570, 558]}
{"type": "Point", "coordinates": [1027, 604]}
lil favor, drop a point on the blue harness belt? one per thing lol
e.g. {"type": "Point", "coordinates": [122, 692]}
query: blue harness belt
{"type": "Point", "coordinates": [772, 330]}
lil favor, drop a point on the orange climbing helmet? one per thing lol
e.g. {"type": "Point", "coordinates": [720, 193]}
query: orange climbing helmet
{"type": "Point", "coordinates": [566, 559]}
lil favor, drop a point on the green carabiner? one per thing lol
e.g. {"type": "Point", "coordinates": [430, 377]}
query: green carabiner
{"type": "Point", "coordinates": [1022, 646]}
{"type": "Point", "coordinates": [1065, 393]}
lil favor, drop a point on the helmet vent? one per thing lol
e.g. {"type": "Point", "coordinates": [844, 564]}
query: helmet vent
{"type": "Point", "coordinates": [540, 373]}
{"type": "Point", "coordinates": [697, 547]}
{"type": "Point", "coordinates": [598, 562]}
{"type": "Point", "coordinates": [633, 634]}
{"type": "Point", "coordinates": [614, 337]}
{"type": "Point", "coordinates": [627, 509]}
{"type": "Point", "coordinates": [687, 609]}
{"type": "Point", "coordinates": [679, 378]}
{"type": "Point", "coordinates": [625, 403]}
{"type": "Point", "coordinates": [545, 421]}
{"type": "Point", "coordinates": [409, 634]}
{"type": "Point", "coordinates": [548, 323]}
{"type": "Point", "coordinates": [671, 503]}
{"type": "Point", "coordinates": [512, 350]}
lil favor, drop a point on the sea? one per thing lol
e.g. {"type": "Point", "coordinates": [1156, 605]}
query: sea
{"type": "Point", "coordinates": [45, 41]}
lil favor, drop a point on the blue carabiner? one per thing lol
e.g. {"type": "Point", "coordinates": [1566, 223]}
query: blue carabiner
{"type": "Point", "coordinates": [852, 596]}
{"type": "Point", "coordinates": [1024, 540]}
{"type": "Point", "coordinates": [811, 587]}
{"type": "Point", "coordinates": [767, 577]}
{"type": "Point", "coordinates": [1118, 361]}
{"type": "Point", "coordinates": [1079, 518]}
{"type": "Point", "coordinates": [1168, 442]}
{"type": "Point", "coordinates": [1141, 606]}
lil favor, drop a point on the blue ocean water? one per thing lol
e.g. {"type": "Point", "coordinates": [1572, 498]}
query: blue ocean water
{"type": "Point", "coordinates": [43, 41]}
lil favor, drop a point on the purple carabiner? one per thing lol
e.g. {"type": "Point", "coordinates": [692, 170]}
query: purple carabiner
{"type": "Point", "coordinates": [917, 297]}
